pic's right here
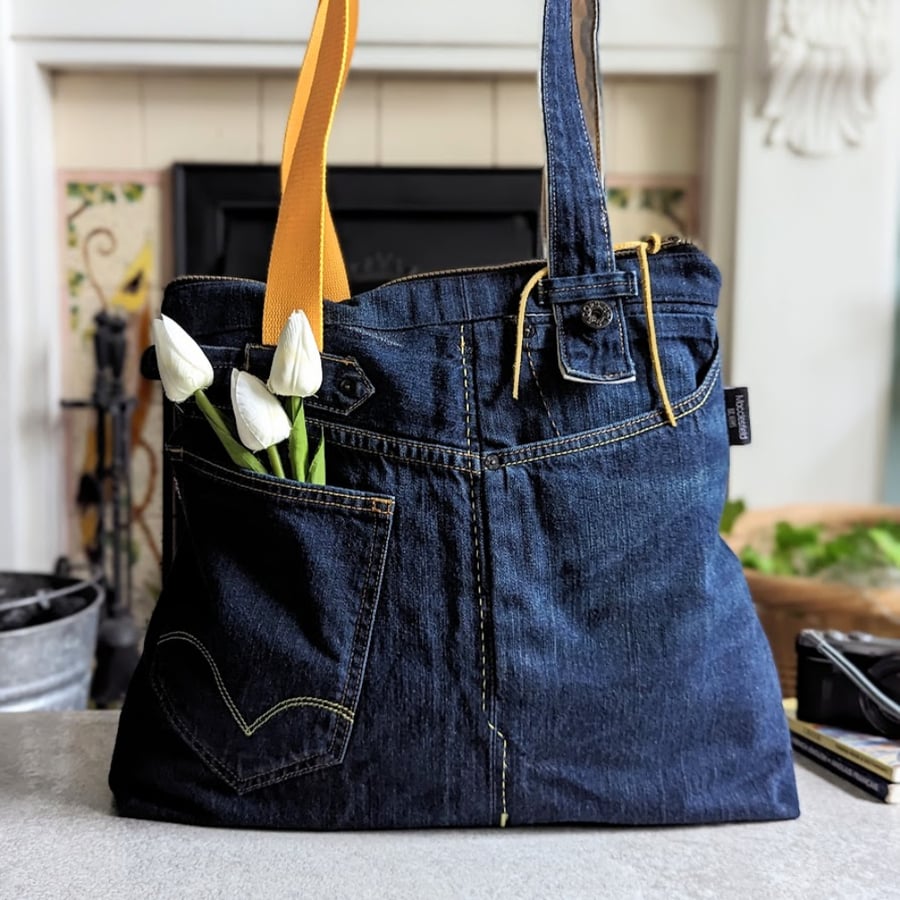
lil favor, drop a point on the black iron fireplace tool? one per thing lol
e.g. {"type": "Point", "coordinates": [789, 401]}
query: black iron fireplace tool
{"type": "Point", "coordinates": [106, 492]}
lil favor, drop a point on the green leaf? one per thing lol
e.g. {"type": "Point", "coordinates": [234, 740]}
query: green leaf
{"type": "Point", "coordinates": [753, 559]}
{"type": "Point", "coordinates": [317, 466]}
{"type": "Point", "coordinates": [887, 544]}
{"type": "Point", "coordinates": [298, 443]}
{"type": "Point", "coordinates": [619, 197]}
{"type": "Point", "coordinates": [789, 537]}
{"type": "Point", "coordinates": [734, 509]}
{"type": "Point", "coordinates": [803, 551]}
{"type": "Point", "coordinates": [132, 192]}
{"type": "Point", "coordinates": [76, 280]}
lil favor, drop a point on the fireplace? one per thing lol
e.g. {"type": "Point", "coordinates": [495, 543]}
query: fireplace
{"type": "Point", "coordinates": [391, 222]}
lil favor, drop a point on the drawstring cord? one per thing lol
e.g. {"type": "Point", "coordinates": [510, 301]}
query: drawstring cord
{"type": "Point", "coordinates": [533, 282]}
{"type": "Point", "coordinates": [644, 249]}
{"type": "Point", "coordinates": [651, 246]}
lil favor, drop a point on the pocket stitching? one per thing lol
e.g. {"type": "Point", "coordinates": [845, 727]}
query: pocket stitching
{"type": "Point", "coordinates": [683, 409]}
{"type": "Point", "coordinates": [301, 766]}
{"type": "Point", "coordinates": [371, 583]}
{"type": "Point", "coordinates": [341, 716]}
{"type": "Point", "coordinates": [352, 673]}
{"type": "Point", "coordinates": [249, 731]}
{"type": "Point", "coordinates": [382, 506]}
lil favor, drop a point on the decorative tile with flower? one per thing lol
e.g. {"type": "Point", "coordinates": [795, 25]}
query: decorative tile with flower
{"type": "Point", "coordinates": [110, 256]}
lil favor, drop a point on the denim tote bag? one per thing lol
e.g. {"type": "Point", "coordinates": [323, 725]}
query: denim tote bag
{"type": "Point", "coordinates": [510, 604]}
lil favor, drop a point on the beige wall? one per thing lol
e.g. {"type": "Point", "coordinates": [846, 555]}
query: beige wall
{"type": "Point", "coordinates": [131, 121]}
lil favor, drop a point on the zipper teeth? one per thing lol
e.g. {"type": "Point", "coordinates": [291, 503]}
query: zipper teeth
{"type": "Point", "coordinates": [181, 279]}
{"type": "Point", "coordinates": [469, 270]}
{"type": "Point", "coordinates": [667, 243]}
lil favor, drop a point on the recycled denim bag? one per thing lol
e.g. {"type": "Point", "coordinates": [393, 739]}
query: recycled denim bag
{"type": "Point", "coordinates": [500, 610]}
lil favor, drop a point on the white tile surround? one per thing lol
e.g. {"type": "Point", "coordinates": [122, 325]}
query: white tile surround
{"type": "Point", "coordinates": [806, 245]}
{"type": "Point", "coordinates": [655, 125]}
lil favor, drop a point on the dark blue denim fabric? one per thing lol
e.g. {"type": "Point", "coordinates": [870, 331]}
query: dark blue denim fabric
{"type": "Point", "coordinates": [497, 610]}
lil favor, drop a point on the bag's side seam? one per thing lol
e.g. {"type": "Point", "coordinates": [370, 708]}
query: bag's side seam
{"type": "Point", "coordinates": [479, 580]}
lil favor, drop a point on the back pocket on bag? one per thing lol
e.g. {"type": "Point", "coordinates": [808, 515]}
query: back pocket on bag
{"type": "Point", "coordinates": [261, 636]}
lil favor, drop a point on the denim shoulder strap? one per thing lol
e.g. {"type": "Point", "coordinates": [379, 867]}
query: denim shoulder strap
{"type": "Point", "coordinates": [579, 239]}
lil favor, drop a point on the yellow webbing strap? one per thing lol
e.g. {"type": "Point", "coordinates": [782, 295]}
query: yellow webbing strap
{"type": "Point", "coordinates": [335, 283]}
{"type": "Point", "coordinates": [305, 253]}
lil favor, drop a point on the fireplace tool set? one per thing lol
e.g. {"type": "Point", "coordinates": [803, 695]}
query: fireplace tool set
{"type": "Point", "coordinates": [104, 500]}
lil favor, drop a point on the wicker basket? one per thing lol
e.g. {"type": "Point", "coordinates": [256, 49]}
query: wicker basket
{"type": "Point", "coordinates": [787, 605]}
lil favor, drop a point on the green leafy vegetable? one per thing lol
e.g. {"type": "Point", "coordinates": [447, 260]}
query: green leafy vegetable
{"type": "Point", "coordinates": [734, 509]}
{"type": "Point", "coordinates": [804, 551]}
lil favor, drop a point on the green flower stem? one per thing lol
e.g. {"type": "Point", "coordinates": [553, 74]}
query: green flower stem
{"type": "Point", "coordinates": [317, 466]}
{"type": "Point", "coordinates": [298, 445]}
{"type": "Point", "coordinates": [239, 454]}
{"type": "Point", "coordinates": [275, 460]}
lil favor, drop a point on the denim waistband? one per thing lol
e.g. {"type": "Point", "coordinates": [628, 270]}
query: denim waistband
{"type": "Point", "coordinates": [213, 307]}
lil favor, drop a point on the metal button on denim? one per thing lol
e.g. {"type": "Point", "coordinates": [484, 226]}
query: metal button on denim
{"type": "Point", "coordinates": [349, 386]}
{"type": "Point", "coordinates": [596, 314]}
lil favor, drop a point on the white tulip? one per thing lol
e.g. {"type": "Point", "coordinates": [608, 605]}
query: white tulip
{"type": "Point", "coordinates": [297, 365]}
{"type": "Point", "coordinates": [261, 420]}
{"type": "Point", "coordinates": [183, 366]}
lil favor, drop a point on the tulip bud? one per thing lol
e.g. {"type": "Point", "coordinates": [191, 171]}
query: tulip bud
{"type": "Point", "coordinates": [297, 365]}
{"type": "Point", "coordinates": [183, 366]}
{"type": "Point", "coordinates": [261, 420]}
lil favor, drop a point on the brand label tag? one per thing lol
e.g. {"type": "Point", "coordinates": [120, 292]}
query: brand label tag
{"type": "Point", "coordinates": [737, 410]}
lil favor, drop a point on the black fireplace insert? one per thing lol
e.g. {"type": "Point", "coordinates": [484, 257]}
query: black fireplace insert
{"type": "Point", "coordinates": [391, 222]}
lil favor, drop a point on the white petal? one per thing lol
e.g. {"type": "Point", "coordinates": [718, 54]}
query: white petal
{"type": "Point", "coordinates": [183, 366]}
{"type": "Point", "coordinates": [297, 364]}
{"type": "Point", "coordinates": [261, 420]}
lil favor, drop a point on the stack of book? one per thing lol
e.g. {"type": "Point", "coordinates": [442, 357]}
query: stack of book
{"type": "Point", "coordinates": [870, 761]}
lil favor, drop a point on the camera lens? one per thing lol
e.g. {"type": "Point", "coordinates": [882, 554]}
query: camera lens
{"type": "Point", "coordinates": [886, 676]}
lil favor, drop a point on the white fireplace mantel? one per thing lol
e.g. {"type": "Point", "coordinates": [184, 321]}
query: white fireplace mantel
{"type": "Point", "coordinates": [807, 247]}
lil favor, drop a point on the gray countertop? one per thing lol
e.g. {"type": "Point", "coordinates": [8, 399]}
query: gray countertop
{"type": "Point", "coordinates": [60, 838]}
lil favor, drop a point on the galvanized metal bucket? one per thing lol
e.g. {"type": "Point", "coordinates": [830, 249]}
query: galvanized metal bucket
{"type": "Point", "coordinates": [48, 635]}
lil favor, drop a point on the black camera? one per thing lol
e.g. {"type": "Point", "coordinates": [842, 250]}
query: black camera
{"type": "Point", "coordinates": [829, 692]}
